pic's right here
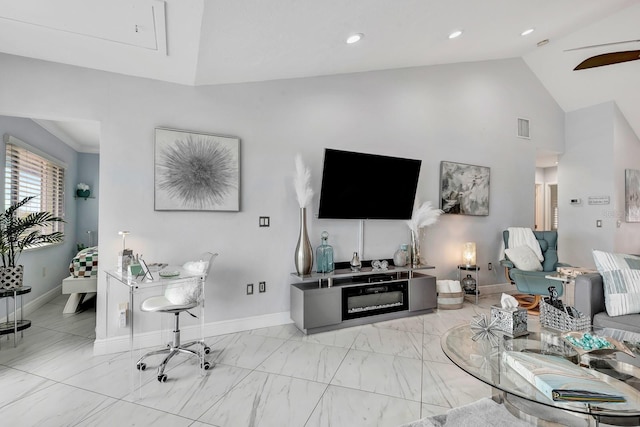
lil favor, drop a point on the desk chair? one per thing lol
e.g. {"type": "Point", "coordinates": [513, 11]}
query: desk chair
{"type": "Point", "coordinates": [178, 297]}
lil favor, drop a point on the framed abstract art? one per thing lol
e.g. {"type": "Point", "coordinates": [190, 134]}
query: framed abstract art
{"type": "Point", "coordinates": [632, 195]}
{"type": "Point", "coordinates": [196, 171]}
{"type": "Point", "coordinates": [464, 189]}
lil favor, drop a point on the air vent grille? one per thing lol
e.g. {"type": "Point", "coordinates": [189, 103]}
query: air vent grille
{"type": "Point", "coordinates": [523, 128]}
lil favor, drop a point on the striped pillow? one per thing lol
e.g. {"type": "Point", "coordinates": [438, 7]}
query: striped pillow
{"type": "Point", "coordinates": [621, 277]}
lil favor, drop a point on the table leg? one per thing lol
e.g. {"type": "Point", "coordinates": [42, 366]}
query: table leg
{"type": "Point", "coordinates": [15, 318]}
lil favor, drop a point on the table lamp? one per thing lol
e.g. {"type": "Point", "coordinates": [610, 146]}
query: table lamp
{"type": "Point", "coordinates": [469, 254]}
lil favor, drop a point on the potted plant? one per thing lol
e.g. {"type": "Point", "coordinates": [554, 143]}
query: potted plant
{"type": "Point", "coordinates": [83, 190]}
{"type": "Point", "coordinates": [18, 232]}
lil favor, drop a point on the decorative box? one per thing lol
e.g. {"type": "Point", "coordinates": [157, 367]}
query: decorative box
{"type": "Point", "coordinates": [551, 317]}
{"type": "Point", "coordinates": [510, 321]}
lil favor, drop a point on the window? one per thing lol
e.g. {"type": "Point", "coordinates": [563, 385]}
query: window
{"type": "Point", "coordinates": [29, 172]}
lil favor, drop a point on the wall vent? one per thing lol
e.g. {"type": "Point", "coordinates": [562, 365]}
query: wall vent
{"type": "Point", "coordinates": [523, 128]}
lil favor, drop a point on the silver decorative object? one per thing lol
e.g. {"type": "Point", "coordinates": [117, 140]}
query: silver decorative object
{"type": "Point", "coordinates": [510, 321]}
{"type": "Point", "coordinates": [551, 317]}
{"type": "Point", "coordinates": [355, 262]}
{"type": "Point", "coordinates": [483, 329]}
{"type": "Point", "coordinates": [304, 253]}
{"type": "Point", "coordinates": [415, 250]}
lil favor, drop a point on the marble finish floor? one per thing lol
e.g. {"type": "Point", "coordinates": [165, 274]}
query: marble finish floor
{"type": "Point", "coordinates": [384, 374]}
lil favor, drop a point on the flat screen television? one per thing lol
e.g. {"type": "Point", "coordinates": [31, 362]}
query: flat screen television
{"type": "Point", "coordinates": [367, 186]}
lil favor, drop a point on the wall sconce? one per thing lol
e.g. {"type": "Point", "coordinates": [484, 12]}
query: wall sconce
{"type": "Point", "coordinates": [469, 254]}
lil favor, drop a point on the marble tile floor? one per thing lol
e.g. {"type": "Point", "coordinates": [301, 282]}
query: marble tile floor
{"type": "Point", "coordinates": [384, 374]}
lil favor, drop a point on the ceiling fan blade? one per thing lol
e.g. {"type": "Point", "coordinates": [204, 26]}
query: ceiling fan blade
{"type": "Point", "coordinates": [608, 59]}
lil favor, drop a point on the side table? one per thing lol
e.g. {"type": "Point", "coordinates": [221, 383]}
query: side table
{"type": "Point", "coordinates": [15, 326]}
{"type": "Point", "coordinates": [475, 269]}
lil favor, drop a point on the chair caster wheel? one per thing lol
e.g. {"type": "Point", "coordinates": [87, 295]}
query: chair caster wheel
{"type": "Point", "coordinates": [141, 366]}
{"type": "Point", "coordinates": [162, 378]}
{"type": "Point", "coordinates": [206, 366]}
{"type": "Point", "coordinates": [207, 350]}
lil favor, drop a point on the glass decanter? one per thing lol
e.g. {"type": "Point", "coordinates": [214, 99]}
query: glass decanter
{"type": "Point", "coordinates": [324, 255]}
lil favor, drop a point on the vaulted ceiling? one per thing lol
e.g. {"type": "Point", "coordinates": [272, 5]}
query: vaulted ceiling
{"type": "Point", "coordinates": [206, 42]}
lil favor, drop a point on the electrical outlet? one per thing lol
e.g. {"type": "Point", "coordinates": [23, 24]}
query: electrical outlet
{"type": "Point", "coordinates": [123, 310]}
{"type": "Point", "coordinates": [262, 287]}
{"type": "Point", "coordinates": [599, 223]}
{"type": "Point", "coordinates": [250, 289]}
{"type": "Point", "coordinates": [490, 266]}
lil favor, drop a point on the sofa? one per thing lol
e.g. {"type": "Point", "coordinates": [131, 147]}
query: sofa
{"type": "Point", "coordinates": [589, 299]}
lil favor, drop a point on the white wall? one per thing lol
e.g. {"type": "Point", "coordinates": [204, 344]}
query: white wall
{"type": "Point", "coordinates": [599, 146]}
{"type": "Point", "coordinates": [463, 112]}
{"type": "Point", "coordinates": [44, 268]}
{"type": "Point", "coordinates": [626, 156]}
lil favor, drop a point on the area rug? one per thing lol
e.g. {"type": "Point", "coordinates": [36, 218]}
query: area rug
{"type": "Point", "coordinates": [482, 413]}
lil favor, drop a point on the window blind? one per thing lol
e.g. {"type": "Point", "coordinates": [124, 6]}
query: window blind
{"type": "Point", "coordinates": [29, 174]}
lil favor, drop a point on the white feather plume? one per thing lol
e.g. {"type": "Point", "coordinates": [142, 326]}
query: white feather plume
{"type": "Point", "coordinates": [302, 183]}
{"type": "Point", "coordinates": [423, 216]}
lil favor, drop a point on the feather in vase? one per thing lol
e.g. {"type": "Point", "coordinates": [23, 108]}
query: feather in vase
{"type": "Point", "coordinates": [423, 216]}
{"type": "Point", "coordinates": [302, 183]}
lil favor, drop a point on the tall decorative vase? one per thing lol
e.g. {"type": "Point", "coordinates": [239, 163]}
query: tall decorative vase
{"type": "Point", "coordinates": [304, 253]}
{"type": "Point", "coordinates": [415, 249]}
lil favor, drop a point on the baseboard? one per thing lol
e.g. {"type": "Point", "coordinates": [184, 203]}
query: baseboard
{"type": "Point", "coordinates": [497, 288]}
{"type": "Point", "coordinates": [150, 339]}
{"type": "Point", "coordinates": [36, 303]}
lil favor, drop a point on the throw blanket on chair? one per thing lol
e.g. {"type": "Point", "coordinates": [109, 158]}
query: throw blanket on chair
{"type": "Point", "coordinates": [520, 236]}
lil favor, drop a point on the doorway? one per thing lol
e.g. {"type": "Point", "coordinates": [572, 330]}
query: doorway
{"type": "Point", "coordinates": [546, 207]}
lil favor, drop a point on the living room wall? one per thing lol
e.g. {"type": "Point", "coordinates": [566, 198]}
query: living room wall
{"type": "Point", "coordinates": [599, 146]}
{"type": "Point", "coordinates": [464, 113]}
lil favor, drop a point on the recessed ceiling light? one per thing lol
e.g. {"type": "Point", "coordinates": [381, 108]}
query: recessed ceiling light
{"type": "Point", "coordinates": [355, 38]}
{"type": "Point", "coordinates": [527, 32]}
{"type": "Point", "coordinates": [455, 34]}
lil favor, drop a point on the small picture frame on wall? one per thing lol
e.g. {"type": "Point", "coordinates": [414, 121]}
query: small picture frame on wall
{"type": "Point", "coordinates": [196, 171]}
{"type": "Point", "coordinates": [464, 189]}
{"type": "Point", "coordinates": [632, 195]}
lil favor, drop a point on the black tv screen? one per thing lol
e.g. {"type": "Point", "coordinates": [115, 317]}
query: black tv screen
{"type": "Point", "coordinates": [367, 186]}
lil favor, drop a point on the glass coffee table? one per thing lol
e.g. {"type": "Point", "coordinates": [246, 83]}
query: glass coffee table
{"type": "Point", "coordinates": [484, 361]}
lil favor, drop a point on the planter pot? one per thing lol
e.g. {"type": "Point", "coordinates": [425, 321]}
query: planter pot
{"type": "Point", "coordinates": [11, 277]}
{"type": "Point", "coordinates": [83, 193]}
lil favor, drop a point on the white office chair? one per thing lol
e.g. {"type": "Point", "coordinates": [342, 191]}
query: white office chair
{"type": "Point", "coordinates": [178, 297]}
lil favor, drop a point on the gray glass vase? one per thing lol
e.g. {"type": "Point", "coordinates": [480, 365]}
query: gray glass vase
{"type": "Point", "coordinates": [304, 252]}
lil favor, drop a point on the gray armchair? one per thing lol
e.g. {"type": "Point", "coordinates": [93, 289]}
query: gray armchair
{"type": "Point", "coordinates": [534, 282]}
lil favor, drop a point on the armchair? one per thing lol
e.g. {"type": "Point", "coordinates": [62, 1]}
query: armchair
{"type": "Point", "coordinates": [533, 284]}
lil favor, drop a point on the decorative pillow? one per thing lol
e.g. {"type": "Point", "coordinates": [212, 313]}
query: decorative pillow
{"type": "Point", "coordinates": [523, 258]}
{"type": "Point", "coordinates": [621, 278]}
{"type": "Point", "coordinates": [183, 292]}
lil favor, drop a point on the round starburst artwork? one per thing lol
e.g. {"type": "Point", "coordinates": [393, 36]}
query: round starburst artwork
{"type": "Point", "coordinates": [196, 171]}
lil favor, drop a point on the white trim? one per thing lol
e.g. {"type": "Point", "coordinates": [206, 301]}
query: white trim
{"type": "Point", "coordinates": [150, 339]}
{"type": "Point", "coordinates": [38, 302]}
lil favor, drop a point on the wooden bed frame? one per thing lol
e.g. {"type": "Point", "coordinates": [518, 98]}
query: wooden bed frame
{"type": "Point", "coordinates": [79, 289]}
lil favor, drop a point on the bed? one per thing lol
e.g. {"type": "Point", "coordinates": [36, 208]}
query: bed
{"type": "Point", "coordinates": [82, 284]}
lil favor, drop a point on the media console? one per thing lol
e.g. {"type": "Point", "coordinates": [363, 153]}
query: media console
{"type": "Point", "coordinates": [322, 302]}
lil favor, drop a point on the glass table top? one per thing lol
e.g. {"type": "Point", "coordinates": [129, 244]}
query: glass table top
{"type": "Point", "coordinates": [484, 361]}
